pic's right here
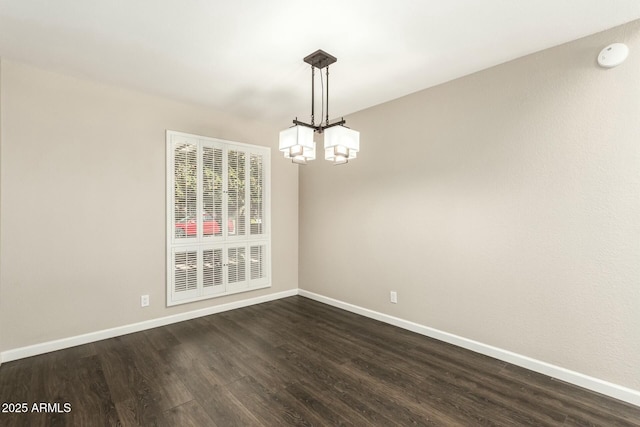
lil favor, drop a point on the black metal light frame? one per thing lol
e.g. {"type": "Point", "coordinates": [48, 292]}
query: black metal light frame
{"type": "Point", "coordinates": [319, 59]}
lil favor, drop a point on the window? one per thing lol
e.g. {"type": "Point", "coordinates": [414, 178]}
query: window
{"type": "Point", "coordinates": [218, 237]}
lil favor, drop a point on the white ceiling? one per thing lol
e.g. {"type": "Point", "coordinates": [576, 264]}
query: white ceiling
{"type": "Point", "coordinates": [245, 57]}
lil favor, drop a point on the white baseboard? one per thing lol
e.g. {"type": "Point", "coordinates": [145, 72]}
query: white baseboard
{"type": "Point", "coordinates": [600, 386]}
{"type": "Point", "coordinates": [46, 347]}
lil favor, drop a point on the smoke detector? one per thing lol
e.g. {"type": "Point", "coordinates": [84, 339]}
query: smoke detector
{"type": "Point", "coordinates": [613, 55]}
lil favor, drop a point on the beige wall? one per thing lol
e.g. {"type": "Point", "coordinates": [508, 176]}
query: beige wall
{"type": "Point", "coordinates": [1, 297]}
{"type": "Point", "coordinates": [83, 204]}
{"type": "Point", "coordinates": [503, 207]}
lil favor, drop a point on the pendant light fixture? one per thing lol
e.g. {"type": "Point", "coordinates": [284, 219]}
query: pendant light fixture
{"type": "Point", "coordinates": [340, 143]}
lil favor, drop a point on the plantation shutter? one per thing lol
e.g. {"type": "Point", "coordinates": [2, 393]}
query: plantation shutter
{"type": "Point", "coordinates": [212, 271]}
{"type": "Point", "coordinates": [212, 191]}
{"type": "Point", "coordinates": [185, 165]}
{"type": "Point", "coordinates": [258, 262]}
{"type": "Point", "coordinates": [256, 191]}
{"type": "Point", "coordinates": [237, 263]}
{"type": "Point", "coordinates": [218, 238]}
{"type": "Point", "coordinates": [236, 184]}
{"type": "Point", "coordinates": [185, 263]}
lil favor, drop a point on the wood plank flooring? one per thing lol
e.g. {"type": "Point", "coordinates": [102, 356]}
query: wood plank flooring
{"type": "Point", "coordinates": [292, 362]}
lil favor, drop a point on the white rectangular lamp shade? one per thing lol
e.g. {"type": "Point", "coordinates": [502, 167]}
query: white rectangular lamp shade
{"type": "Point", "coordinates": [306, 154]}
{"type": "Point", "coordinates": [295, 139]}
{"type": "Point", "coordinates": [341, 143]}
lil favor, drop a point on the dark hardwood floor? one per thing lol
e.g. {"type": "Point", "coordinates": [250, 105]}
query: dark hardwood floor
{"type": "Point", "coordinates": [291, 361]}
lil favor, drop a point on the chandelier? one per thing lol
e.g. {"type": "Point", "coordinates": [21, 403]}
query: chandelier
{"type": "Point", "coordinates": [340, 143]}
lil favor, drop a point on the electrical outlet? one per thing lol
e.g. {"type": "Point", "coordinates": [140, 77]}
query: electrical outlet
{"type": "Point", "coordinates": [144, 300]}
{"type": "Point", "coordinates": [393, 296]}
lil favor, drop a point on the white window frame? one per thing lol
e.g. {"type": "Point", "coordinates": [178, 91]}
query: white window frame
{"type": "Point", "coordinates": [226, 240]}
